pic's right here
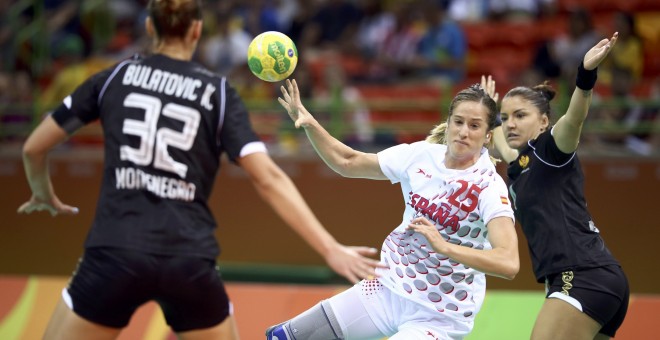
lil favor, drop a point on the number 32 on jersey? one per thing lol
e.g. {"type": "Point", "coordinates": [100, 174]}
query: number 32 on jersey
{"type": "Point", "coordinates": [154, 142]}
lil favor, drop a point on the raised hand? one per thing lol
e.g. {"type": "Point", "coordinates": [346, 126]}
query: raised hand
{"type": "Point", "coordinates": [597, 54]}
{"type": "Point", "coordinates": [488, 84]}
{"type": "Point", "coordinates": [54, 206]}
{"type": "Point", "coordinates": [293, 104]}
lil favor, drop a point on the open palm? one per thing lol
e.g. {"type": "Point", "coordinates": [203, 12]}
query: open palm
{"type": "Point", "coordinates": [293, 105]}
{"type": "Point", "coordinates": [488, 84]}
{"type": "Point", "coordinates": [597, 54]}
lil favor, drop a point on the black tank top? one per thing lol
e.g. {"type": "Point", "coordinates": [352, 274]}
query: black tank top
{"type": "Point", "coordinates": [166, 123]}
{"type": "Point", "coordinates": [547, 189]}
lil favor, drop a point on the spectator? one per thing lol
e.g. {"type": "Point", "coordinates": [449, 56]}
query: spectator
{"type": "Point", "coordinates": [301, 18]}
{"type": "Point", "coordinates": [373, 28]}
{"type": "Point", "coordinates": [72, 68]}
{"type": "Point", "coordinates": [616, 114]}
{"type": "Point", "coordinates": [258, 16]}
{"type": "Point", "coordinates": [399, 47]}
{"type": "Point", "coordinates": [628, 53]}
{"type": "Point", "coordinates": [226, 48]}
{"type": "Point", "coordinates": [472, 10]}
{"type": "Point", "coordinates": [16, 100]}
{"type": "Point", "coordinates": [519, 10]}
{"type": "Point", "coordinates": [560, 55]}
{"type": "Point", "coordinates": [443, 47]}
{"type": "Point", "coordinates": [333, 25]}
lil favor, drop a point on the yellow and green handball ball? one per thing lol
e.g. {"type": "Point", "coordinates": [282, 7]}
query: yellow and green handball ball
{"type": "Point", "coordinates": [272, 56]}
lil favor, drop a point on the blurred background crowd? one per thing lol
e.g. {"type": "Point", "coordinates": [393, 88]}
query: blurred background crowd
{"type": "Point", "coordinates": [379, 72]}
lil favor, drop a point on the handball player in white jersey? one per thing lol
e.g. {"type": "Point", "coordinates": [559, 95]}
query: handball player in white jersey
{"type": "Point", "coordinates": [457, 226]}
{"type": "Point", "coordinates": [166, 122]}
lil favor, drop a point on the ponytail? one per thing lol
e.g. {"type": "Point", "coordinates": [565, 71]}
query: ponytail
{"type": "Point", "coordinates": [438, 134]}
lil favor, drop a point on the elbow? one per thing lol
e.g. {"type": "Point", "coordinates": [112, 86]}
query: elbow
{"type": "Point", "coordinates": [511, 270]}
{"type": "Point", "coordinates": [343, 168]}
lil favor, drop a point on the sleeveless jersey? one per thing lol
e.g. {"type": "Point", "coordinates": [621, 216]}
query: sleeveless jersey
{"type": "Point", "coordinates": [460, 203]}
{"type": "Point", "coordinates": [166, 123]}
{"type": "Point", "coordinates": [547, 190]}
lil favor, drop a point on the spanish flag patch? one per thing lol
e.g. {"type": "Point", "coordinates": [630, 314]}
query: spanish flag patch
{"type": "Point", "coordinates": [504, 200]}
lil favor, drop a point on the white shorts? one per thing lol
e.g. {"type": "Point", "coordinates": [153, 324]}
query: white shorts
{"type": "Point", "coordinates": [370, 310]}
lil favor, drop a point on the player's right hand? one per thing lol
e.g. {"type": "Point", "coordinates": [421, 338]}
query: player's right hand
{"type": "Point", "coordinates": [597, 54]}
{"type": "Point", "coordinates": [353, 263]}
{"type": "Point", "coordinates": [54, 206]}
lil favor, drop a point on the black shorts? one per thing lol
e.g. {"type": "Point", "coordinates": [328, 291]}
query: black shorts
{"type": "Point", "coordinates": [111, 283]}
{"type": "Point", "coordinates": [602, 293]}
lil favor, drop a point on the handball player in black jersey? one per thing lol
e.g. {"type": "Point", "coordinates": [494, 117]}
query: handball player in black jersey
{"type": "Point", "coordinates": [586, 290]}
{"type": "Point", "coordinates": [166, 121]}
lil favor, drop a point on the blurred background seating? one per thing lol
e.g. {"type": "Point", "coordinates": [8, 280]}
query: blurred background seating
{"type": "Point", "coordinates": [400, 62]}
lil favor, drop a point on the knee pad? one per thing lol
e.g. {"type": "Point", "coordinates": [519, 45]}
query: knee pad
{"type": "Point", "coordinates": [278, 332]}
{"type": "Point", "coordinates": [318, 322]}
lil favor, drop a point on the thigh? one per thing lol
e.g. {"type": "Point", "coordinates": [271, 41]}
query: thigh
{"type": "Point", "coordinates": [560, 320]}
{"type": "Point", "coordinates": [64, 324]}
{"type": "Point", "coordinates": [352, 315]}
{"type": "Point", "coordinates": [600, 293]}
{"type": "Point", "coordinates": [424, 323]}
{"type": "Point", "coordinates": [192, 294]}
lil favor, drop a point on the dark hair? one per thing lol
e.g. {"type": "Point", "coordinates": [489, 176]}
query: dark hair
{"type": "Point", "coordinates": [539, 96]}
{"type": "Point", "coordinates": [172, 18]}
{"type": "Point", "coordinates": [474, 93]}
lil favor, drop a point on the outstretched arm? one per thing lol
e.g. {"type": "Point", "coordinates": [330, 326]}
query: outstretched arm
{"type": "Point", "coordinates": [569, 127]}
{"type": "Point", "coordinates": [338, 156]}
{"type": "Point", "coordinates": [35, 160]}
{"type": "Point", "coordinates": [509, 154]}
{"type": "Point", "coordinates": [277, 189]}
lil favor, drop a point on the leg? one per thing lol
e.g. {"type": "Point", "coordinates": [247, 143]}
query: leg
{"type": "Point", "coordinates": [559, 320]}
{"type": "Point", "coordinates": [226, 330]}
{"type": "Point", "coordinates": [318, 322]}
{"type": "Point", "coordinates": [67, 325]}
{"type": "Point", "coordinates": [343, 316]}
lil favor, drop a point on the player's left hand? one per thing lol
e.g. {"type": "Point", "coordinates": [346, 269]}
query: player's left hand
{"type": "Point", "coordinates": [293, 105]}
{"type": "Point", "coordinates": [428, 230]}
{"type": "Point", "coordinates": [53, 205]}
{"type": "Point", "coordinates": [488, 84]}
{"type": "Point", "coordinates": [353, 263]}
{"type": "Point", "coordinates": [597, 54]}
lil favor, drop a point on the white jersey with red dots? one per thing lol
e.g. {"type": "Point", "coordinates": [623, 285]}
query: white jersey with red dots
{"type": "Point", "coordinates": [460, 203]}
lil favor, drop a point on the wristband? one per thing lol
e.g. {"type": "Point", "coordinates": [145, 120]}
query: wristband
{"type": "Point", "coordinates": [586, 79]}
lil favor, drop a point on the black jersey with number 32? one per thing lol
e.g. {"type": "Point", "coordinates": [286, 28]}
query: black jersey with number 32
{"type": "Point", "coordinates": [547, 189]}
{"type": "Point", "coordinates": [166, 123]}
